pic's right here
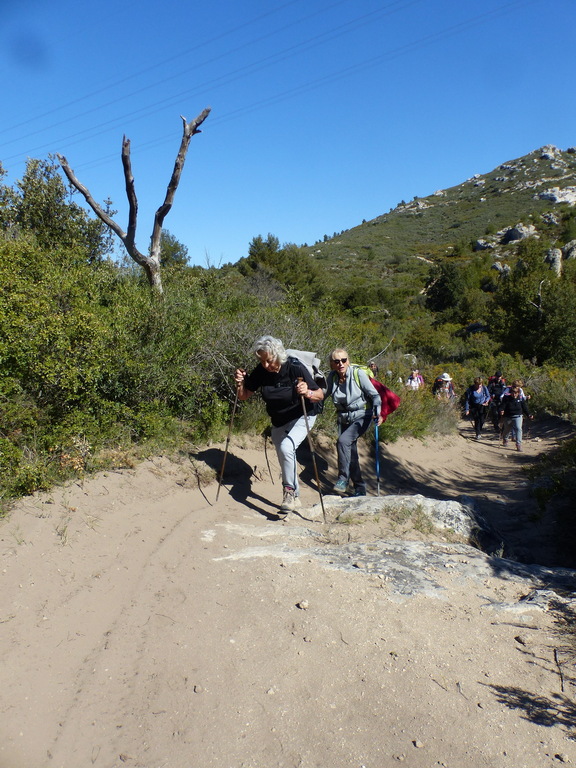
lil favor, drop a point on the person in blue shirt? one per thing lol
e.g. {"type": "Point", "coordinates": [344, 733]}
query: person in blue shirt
{"type": "Point", "coordinates": [477, 402]}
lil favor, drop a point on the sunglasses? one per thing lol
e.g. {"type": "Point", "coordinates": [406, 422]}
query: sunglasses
{"type": "Point", "coordinates": [339, 360]}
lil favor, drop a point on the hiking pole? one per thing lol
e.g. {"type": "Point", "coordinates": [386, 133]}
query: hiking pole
{"type": "Point", "coordinates": [377, 457]}
{"type": "Point", "coordinates": [311, 445]}
{"type": "Point", "coordinates": [227, 443]}
{"type": "Point", "coordinates": [266, 454]}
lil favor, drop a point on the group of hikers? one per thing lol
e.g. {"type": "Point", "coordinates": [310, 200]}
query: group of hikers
{"type": "Point", "coordinates": [293, 400]}
{"type": "Point", "coordinates": [506, 405]}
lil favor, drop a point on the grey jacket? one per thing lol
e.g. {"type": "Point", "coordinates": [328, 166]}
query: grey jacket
{"type": "Point", "coordinates": [356, 395]}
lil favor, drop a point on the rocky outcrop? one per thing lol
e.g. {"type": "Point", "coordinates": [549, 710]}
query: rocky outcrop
{"type": "Point", "coordinates": [554, 259]}
{"type": "Point", "coordinates": [502, 269]}
{"type": "Point", "coordinates": [483, 245]}
{"type": "Point", "coordinates": [569, 250]}
{"type": "Point", "coordinates": [519, 232]}
{"type": "Point", "coordinates": [557, 195]}
{"type": "Point", "coordinates": [459, 517]}
{"type": "Point", "coordinates": [549, 152]}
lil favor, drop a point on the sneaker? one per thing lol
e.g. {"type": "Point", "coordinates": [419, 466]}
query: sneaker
{"type": "Point", "coordinates": [478, 437]}
{"type": "Point", "coordinates": [359, 492]}
{"type": "Point", "coordinates": [341, 486]}
{"type": "Point", "coordinates": [290, 501]}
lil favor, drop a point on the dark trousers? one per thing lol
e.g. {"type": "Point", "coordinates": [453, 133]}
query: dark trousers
{"type": "Point", "coordinates": [495, 416]}
{"type": "Point", "coordinates": [478, 414]}
{"type": "Point", "coordinates": [347, 446]}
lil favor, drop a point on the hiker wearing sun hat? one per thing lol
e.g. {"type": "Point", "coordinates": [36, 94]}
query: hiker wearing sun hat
{"type": "Point", "coordinates": [443, 387]}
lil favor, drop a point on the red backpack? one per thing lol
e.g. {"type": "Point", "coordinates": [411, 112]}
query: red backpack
{"type": "Point", "coordinates": [390, 400]}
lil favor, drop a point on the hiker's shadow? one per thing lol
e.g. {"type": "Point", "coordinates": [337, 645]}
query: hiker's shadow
{"type": "Point", "coordinates": [237, 480]}
{"type": "Point", "coordinates": [307, 474]}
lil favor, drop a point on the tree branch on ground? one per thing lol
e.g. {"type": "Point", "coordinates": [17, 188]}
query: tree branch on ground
{"type": "Point", "coordinates": [151, 262]}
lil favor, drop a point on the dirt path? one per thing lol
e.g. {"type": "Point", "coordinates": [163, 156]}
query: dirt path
{"type": "Point", "coordinates": [144, 625]}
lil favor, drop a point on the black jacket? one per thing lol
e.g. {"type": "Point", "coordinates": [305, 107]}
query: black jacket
{"type": "Point", "coordinates": [513, 406]}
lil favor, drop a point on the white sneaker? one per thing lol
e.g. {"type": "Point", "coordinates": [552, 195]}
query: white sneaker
{"type": "Point", "coordinates": [290, 502]}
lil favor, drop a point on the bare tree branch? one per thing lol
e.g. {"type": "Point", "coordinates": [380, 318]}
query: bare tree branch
{"type": "Point", "coordinates": [130, 193]}
{"type": "Point", "coordinates": [188, 130]}
{"type": "Point", "coordinates": [150, 263]}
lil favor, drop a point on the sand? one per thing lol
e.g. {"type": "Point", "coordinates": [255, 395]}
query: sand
{"type": "Point", "coordinates": [144, 624]}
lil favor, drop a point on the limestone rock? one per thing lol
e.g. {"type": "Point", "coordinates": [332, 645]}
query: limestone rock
{"type": "Point", "coordinates": [483, 245]}
{"type": "Point", "coordinates": [519, 232]}
{"type": "Point", "coordinates": [554, 258]}
{"type": "Point", "coordinates": [557, 195]}
{"type": "Point", "coordinates": [569, 250]}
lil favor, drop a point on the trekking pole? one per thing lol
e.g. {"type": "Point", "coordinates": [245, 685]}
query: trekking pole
{"type": "Point", "coordinates": [227, 443]}
{"type": "Point", "coordinates": [311, 445]}
{"type": "Point", "coordinates": [266, 454]}
{"type": "Point", "coordinates": [377, 445]}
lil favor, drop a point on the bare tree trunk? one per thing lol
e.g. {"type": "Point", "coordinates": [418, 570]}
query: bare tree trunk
{"type": "Point", "coordinates": [150, 263]}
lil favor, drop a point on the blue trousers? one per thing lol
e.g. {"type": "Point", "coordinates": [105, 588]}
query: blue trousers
{"type": "Point", "coordinates": [512, 424]}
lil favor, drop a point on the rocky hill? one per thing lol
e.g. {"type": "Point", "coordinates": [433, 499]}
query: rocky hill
{"type": "Point", "coordinates": [521, 197]}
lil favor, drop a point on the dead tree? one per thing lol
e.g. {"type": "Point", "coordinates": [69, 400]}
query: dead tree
{"type": "Point", "coordinates": [151, 262]}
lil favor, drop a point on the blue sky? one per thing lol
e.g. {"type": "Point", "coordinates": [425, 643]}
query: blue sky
{"type": "Point", "coordinates": [324, 112]}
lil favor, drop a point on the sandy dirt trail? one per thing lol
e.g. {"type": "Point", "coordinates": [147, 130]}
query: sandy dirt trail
{"type": "Point", "coordinates": [144, 625]}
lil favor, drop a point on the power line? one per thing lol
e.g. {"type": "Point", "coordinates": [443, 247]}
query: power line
{"type": "Point", "coordinates": [141, 72]}
{"type": "Point", "coordinates": [337, 75]}
{"type": "Point", "coordinates": [225, 79]}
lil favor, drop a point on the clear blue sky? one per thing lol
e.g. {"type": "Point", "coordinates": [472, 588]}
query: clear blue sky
{"type": "Point", "coordinates": [324, 112]}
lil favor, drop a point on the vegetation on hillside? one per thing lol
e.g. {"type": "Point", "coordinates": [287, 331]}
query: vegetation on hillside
{"type": "Point", "coordinates": [95, 366]}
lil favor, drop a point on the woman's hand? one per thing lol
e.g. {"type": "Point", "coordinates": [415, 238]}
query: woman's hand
{"type": "Point", "coordinates": [302, 389]}
{"type": "Point", "coordinates": [239, 376]}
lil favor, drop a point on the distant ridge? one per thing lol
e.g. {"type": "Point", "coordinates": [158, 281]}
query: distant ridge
{"type": "Point", "coordinates": [532, 190]}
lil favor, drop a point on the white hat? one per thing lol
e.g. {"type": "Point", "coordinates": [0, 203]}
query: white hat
{"type": "Point", "coordinates": [445, 377]}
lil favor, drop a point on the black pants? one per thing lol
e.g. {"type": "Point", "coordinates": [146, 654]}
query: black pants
{"type": "Point", "coordinates": [478, 414]}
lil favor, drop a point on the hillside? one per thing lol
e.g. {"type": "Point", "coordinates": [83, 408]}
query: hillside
{"type": "Point", "coordinates": [398, 246]}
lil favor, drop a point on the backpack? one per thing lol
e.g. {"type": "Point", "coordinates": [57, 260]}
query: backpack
{"type": "Point", "coordinates": [310, 361]}
{"type": "Point", "coordinates": [390, 400]}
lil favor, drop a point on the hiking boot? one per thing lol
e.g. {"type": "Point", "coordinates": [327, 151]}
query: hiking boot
{"type": "Point", "coordinates": [504, 442]}
{"type": "Point", "coordinates": [341, 486]}
{"type": "Point", "coordinates": [290, 502]}
{"type": "Point", "coordinates": [518, 446]}
{"type": "Point", "coordinates": [359, 491]}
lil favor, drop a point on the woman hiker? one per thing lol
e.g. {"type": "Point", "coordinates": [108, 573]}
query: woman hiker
{"type": "Point", "coordinates": [284, 381]}
{"type": "Point", "coordinates": [357, 403]}
{"type": "Point", "coordinates": [477, 402]}
{"type": "Point", "coordinates": [512, 409]}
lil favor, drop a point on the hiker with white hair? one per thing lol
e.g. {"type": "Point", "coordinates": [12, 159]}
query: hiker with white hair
{"type": "Point", "coordinates": [286, 384]}
{"type": "Point", "coordinates": [443, 387]}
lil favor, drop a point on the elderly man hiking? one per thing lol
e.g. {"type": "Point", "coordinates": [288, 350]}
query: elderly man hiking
{"type": "Point", "coordinates": [286, 385]}
{"type": "Point", "coordinates": [357, 403]}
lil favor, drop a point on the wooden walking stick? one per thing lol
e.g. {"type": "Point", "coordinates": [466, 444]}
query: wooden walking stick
{"type": "Point", "coordinates": [227, 443]}
{"type": "Point", "coordinates": [311, 445]}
